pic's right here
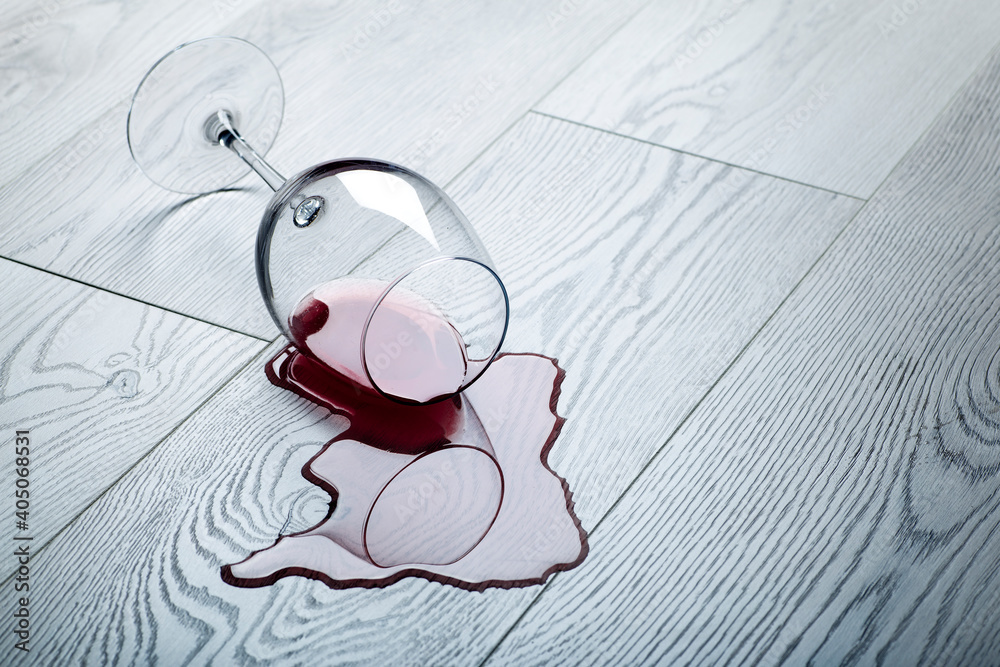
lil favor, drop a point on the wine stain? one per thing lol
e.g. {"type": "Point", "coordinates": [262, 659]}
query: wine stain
{"type": "Point", "coordinates": [458, 492]}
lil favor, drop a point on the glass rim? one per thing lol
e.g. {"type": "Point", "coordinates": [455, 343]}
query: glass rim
{"type": "Point", "coordinates": [262, 254]}
{"type": "Point", "coordinates": [136, 95]}
{"type": "Point", "coordinates": [423, 455]}
{"type": "Point", "coordinates": [466, 383]}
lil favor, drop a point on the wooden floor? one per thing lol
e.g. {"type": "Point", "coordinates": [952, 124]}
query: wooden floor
{"type": "Point", "coordinates": [761, 238]}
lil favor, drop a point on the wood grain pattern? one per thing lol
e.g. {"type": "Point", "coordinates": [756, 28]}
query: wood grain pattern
{"type": "Point", "coordinates": [831, 94]}
{"type": "Point", "coordinates": [642, 270]}
{"type": "Point", "coordinates": [431, 104]}
{"type": "Point", "coordinates": [836, 499]}
{"type": "Point", "coordinates": [66, 63]}
{"type": "Point", "coordinates": [621, 259]}
{"type": "Point", "coordinates": [98, 380]}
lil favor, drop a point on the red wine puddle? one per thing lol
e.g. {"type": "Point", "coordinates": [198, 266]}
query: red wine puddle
{"type": "Point", "coordinates": [458, 492]}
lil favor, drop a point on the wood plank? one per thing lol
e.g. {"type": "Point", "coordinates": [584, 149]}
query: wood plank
{"type": "Point", "coordinates": [836, 499]}
{"type": "Point", "coordinates": [643, 271]}
{"type": "Point", "coordinates": [621, 258]}
{"type": "Point", "coordinates": [66, 63]}
{"type": "Point", "coordinates": [432, 104]}
{"type": "Point", "coordinates": [831, 94]}
{"type": "Point", "coordinates": [98, 380]}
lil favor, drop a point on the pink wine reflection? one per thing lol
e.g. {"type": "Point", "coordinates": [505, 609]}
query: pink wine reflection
{"type": "Point", "coordinates": [458, 492]}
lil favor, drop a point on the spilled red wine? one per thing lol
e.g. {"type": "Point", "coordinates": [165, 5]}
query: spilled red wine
{"type": "Point", "coordinates": [439, 507]}
{"type": "Point", "coordinates": [412, 351]}
{"type": "Point", "coordinates": [374, 419]}
{"type": "Point", "coordinates": [458, 491]}
{"type": "Point", "coordinates": [394, 473]}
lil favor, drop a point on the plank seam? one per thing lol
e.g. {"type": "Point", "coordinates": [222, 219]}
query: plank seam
{"type": "Point", "coordinates": [548, 92]}
{"type": "Point", "coordinates": [262, 354]}
{"type": "Point", "coordinates": [652, 459]}
{"type": "Point", "coordinates": [134, 299]}
{"type": "Point", "coordinates": [703, 157]}
{"type": "Point", "coordinates": [916, 144]}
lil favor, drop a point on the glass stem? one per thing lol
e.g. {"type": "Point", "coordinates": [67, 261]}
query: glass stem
{"type": "Point", "coordinates": [220, 128]}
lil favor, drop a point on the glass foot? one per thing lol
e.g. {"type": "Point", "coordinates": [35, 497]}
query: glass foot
{"type": "Point", "coordinates": [176, 106]}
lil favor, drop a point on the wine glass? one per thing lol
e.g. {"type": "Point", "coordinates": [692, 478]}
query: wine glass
{"type": "Point", "coordinates": [364, 265]}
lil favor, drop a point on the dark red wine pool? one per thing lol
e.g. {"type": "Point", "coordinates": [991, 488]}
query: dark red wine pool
{"type": "Point", "coordinates": [457, 491]}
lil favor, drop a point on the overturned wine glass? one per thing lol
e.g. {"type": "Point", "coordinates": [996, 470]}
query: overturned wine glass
{"type": "Point", "coordinates": [364, 265]}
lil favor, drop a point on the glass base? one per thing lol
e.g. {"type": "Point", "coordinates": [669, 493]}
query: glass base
{"type": "Point", "coordinates": [173, 109]}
